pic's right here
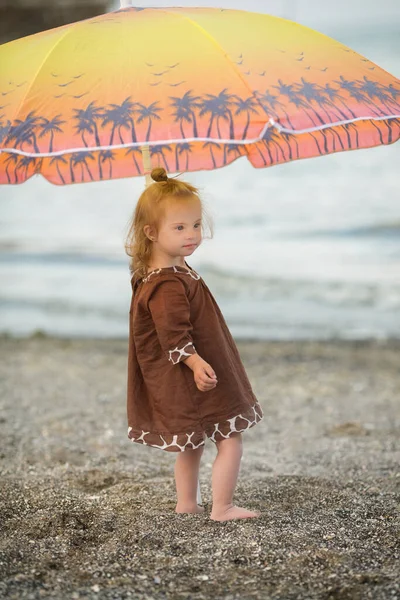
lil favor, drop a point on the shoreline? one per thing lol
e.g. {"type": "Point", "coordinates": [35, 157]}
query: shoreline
{"type": "Point", "coordinates": [40, 334]}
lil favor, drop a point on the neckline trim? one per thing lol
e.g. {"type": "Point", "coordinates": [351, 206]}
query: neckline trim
{"type": "Point", "coordinates": [184, 270]}
{"type": "Point", "coordinates": [172, 267]}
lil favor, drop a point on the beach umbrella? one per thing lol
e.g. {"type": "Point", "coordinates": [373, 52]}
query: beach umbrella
{"type": "Point", "coordinates": [185, 88]}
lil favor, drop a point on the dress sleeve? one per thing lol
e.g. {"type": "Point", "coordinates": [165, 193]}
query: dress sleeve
{"type": "Point", "coordinates": [170, 310]}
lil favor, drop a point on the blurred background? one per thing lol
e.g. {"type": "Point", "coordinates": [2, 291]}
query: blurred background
{"type": "Point", "coordinates": [304, 250]}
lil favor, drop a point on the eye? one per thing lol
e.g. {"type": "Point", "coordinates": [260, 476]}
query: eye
{"type": "Point", "coordinates": [197, 224]}
{"type": "Point", "coordinates": [178, 226]}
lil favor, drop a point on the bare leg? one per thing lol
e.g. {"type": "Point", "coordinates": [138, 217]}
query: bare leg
{"type": "Point", "coordinates": [187, 467]}
{"type": "Point", "coordinates": [224, 477]}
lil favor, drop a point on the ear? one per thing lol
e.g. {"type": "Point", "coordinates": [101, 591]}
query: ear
{"type": "Point", "coordinates": [149, 232]}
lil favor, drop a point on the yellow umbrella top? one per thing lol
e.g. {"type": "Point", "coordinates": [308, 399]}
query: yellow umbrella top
{"type": "Point", "coordinates": [200, 86]}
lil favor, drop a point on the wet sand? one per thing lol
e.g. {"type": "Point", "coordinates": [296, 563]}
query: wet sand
{"type": "Point", "coordinates": [85, 513]}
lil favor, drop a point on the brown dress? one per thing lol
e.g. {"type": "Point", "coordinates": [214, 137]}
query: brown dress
{"type": "Point", "coordinates": [173, 315]}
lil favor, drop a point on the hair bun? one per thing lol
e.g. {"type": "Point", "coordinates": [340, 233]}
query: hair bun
{"type": "Point", "coordinates": [159, 174]}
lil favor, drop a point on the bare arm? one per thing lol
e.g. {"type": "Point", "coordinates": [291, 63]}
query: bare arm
{"type": "Point", "coordinates": [191, 361]}
{"type": "Point", "coordinates": [204, 375]}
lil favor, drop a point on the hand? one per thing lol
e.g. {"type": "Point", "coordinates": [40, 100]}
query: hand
{"type": "Point", "coordinates": [204, 375]}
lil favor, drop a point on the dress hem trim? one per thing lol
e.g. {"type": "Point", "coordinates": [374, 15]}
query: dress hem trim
{"type": "Point", "coordinates": [180, 441]}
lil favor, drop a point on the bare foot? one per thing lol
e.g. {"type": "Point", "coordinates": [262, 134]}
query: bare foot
{"type": "Point", "coordinates": [189, 509]}
{"type": "Point", "coordinates": [233, 512]}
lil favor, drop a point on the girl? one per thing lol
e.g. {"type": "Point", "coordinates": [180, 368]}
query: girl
{"type": "Point", "coordinates": [186, 380]}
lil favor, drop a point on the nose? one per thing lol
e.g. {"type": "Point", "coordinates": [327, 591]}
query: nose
{"type": "Point", "coordinates": [194, 238]}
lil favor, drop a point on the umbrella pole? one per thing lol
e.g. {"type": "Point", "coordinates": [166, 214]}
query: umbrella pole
{"type": "Point", "coordinates": [146, 164]}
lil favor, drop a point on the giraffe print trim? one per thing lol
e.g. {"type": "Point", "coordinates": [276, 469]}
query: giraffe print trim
{"type": "Point", "coordinates": [243, 421]}
{"type": "Point", "coordinates": [184, 271]}
{"type": "Point", "coordinates": [145, 279]}
{"type": "Point", "coordinates": [179, 442]}
{"type": "Point", "coordinates": [182, 353]}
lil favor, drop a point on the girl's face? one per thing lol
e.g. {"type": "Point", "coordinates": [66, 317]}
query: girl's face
{"type": "Point", "coordinates": [180, 231]}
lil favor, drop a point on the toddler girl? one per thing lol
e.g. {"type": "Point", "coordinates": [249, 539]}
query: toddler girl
{"type": "Point", "coordinates": [186, 380]}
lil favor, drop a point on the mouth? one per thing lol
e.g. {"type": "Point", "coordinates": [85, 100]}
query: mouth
{"type": "Point", "coordinates": [189, 246]}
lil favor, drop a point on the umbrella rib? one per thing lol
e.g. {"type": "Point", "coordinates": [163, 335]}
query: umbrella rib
{"type": "Point", "coordinates": [328, 125]}
{"type": "Point", "coordinates": [69, 26]}
{"type": "Point", "coordinates": [226, 55]}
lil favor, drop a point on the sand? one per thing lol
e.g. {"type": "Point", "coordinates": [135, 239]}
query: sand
{"type": "Point", "coordinates": [85, 513]}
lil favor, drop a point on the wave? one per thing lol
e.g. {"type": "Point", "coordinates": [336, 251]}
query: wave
{"type": "Point", "coordinates": [255, 306]}
{"type": "Point", "coordinates": [247, 288]}
{"type": "Point", "coordinates": [228, 285]}
{"type": "Point", "coordinates": [53, 306]}
{"type": "Point", "coordinates": [390, 229]}
{"type": "Point", "coordinates": [60, 258]}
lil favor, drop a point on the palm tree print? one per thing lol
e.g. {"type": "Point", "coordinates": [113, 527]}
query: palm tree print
{"type": "Point", "coordinates": [332, 98]}
{"type": "Point", "coordinates": [356, 92]}
{"type": "Point", "coordinates": [289, 91]}
{"type": "Point", "coordinates": [353, 90]}
{"type": "Point", "coordinates": [247, 106]}
{"type": "Point", "coordinates": [212, 145]}
{"type": "Point", "coordinates": [269, 102]}
{"type": "Point", "coordinates": [12, 159]}
{"type": "Point", "coordinates": [373, 90]}
{"type": "Point", "coordinates": [150, 113]}
{"type": "Point", "coordinates": [288, 138]}
{"type": "Point", "coordinates": [25, 162]}
{"type": "Point", "coordinates": [219, 108]}
{"type": "Point", "coordinates": [91, 114]}
{"type": "Point", "coordinates": [310, 93]}
{"type": "Point", "coordinates": [128, 108]}
{"type": "Point", "coordinates": [83, 127]}
{"type": "Point", "coordinates": [236, 150]}
{"type": "Point", "coordinates": [271, 140]}
{"type": "Point", "coordinates": [393, 93]}
{"type": "Point", "coordinates": [184, 110]}
{"type": "Point", "coordinates": [208, 106]}
{"type": "Point", "coordinates": [158, 150]}
{"type": "Point", "coordinates": [57, 160]}
{"type": "Point", "coordinates": [133, 150]}
{"type": "Point", "coordinates": [118, 118]}
{"type": "Point", "coordinates": [51, 126]}
{"type": "Point", "coordinates": [109, 156]}
{"type": "Point", "coordinates": [18, 165]}
{"type": "Point", "coordinates": [182, 116]}
{"type": "Point", "coordinates": [23, 131]}
{"type": "Point", "coordinates": [81, 158]}
{"type": "Point", "coordinates": [4, 129]}
{"type": "Point", "coordinates": [87, 120]}
{"type": "Point", "coordinates": [186, 149]}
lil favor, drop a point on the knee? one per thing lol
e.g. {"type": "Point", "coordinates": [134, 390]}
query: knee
{"type": "Point", "coordinates": [233, 441]}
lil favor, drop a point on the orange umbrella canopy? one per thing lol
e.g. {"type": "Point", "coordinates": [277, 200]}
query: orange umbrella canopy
{"type": "Point", "coordinates": [199, 86]}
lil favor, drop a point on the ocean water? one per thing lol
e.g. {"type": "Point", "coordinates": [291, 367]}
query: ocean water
{"type": "Point", "coordinates": [305, 250]}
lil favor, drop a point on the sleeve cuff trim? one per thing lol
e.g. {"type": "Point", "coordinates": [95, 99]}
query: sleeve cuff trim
{"type": "Point", "coordinates": [182, 352]}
